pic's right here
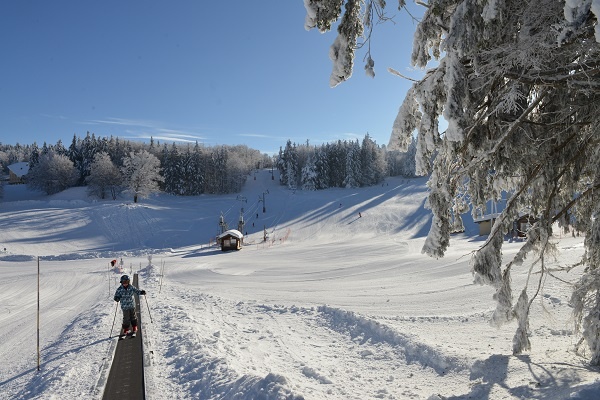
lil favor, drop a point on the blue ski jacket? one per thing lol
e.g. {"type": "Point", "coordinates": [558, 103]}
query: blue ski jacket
{"type": "Point", "coordinates": [125, 296]}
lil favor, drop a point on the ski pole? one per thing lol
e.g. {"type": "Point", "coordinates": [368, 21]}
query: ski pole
{"type": "Point", "coordinates": [150, 315]}
{"type": "Point", "coordinates": [114, 319]}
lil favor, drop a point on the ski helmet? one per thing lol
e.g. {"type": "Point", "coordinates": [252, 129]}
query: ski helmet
{"type": "Point", "coordinates": [124, 278]}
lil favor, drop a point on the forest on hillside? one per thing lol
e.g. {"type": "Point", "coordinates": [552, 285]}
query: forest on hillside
{"type": "Point", "coordinates": [108, 166]}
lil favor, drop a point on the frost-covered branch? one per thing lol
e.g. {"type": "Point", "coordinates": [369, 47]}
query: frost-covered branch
{"type": "Point", "coordinates": [356, 21]}
{"type": "Point", "coordinates": [519, 86]}
{"type": "Point", "coordinates": [501, 140]}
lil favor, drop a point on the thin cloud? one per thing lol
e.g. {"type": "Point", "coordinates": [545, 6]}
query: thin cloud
{"type": "Point", "coordinates": [61, 117]}
{"type": "Point", "coordinates": [165, 136]}
{"type": "Point", "coordinates": [147, 129]}
{"type": "Point", "coordinates": [124, 122]}
{"type": "Point", "coordinates": [182, 134]}
{"type": "Point", "coordinates": [256, 135]}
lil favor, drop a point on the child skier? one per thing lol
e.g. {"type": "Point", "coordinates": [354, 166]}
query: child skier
{"type": "Point", "coordinates": [124, 294]}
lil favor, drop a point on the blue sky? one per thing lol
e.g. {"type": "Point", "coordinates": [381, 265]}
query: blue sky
{"type": "Point", "coordinates": [214, 72]}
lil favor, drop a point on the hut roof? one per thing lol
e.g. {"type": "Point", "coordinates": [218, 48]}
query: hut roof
{"type": "Point", "coordinates": [231, 232]}
{"type": "Point", "coordinates": [19, 169]}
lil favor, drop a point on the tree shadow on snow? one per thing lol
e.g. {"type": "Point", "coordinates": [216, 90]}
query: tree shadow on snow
{"type": "Point", "coordinates": [44, 365]}
{"type": "Point", "coordinates": [547, 381]}
{"type": "Point", "coordinates": [203, 253]}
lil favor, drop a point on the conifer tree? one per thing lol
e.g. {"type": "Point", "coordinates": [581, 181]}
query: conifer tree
{"type": "Point", "coordinates": [171, 164]}
{"type": "Point", "coordinates": [309, 178]}
{"type": "Point", "coordinates": [353, 166]}
{"type": "Point", "coordinates": [321, 168]}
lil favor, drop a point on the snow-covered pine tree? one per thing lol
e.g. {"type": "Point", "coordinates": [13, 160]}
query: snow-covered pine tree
{"type": "Point", "coordinates": [171, 168]}
{"type": "Point", "coordinates": [195, 184]}
{"type": "Point", "coordinates": [34, 154]}
{"type": "Point", "coordinates": [337, 163]}
{"type": "Point", "coordinates": [353, 166]}
{"type": "Point", "coordinates": [321, 168]}
{"type": "Point", "coordinates": [220, 157]}
{"type": "Point", "coordinates": [75, 155]}
{"type": "Point", "coordinates": [309, 179]}
{"type": "Point", "coordinates": [210, 172]}
{"type": "Point", "coordinates": [89, 148]}
{"type": "Point", "coordinates": [59, 148]}
{"type": "Point", "coordinates": [280, 165]}
{"type": "Point", "coordinates": [288, 166]}
{"type": "Point", "coordinates": [372, 162]}
{"type": "Point", "coordinates": [185, 173]}
{"type": "Point", "coordinates": [519, 86]}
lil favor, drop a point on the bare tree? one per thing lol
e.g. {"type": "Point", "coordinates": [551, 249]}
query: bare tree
{"type": "Point", "coordinates": [141, 174]}
{"type": "Point", "coordinates": [52, 174]}
{"type": "Point", "coordinates": [104, 177]}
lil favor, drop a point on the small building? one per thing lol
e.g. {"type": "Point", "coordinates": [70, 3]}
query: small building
{"type": "Point", "coordinates": [485, 223]}
{"type": "Point", "coordinates": [230, 240]}
{"type": "Point", "coordinates": [17, 172]}
{"type": "Point", "coordinates": [519, 230]}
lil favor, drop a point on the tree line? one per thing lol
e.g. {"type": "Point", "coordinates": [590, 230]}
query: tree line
{"type": "Point", "coordinates": [345, 163]}
{"type": "Point", "coordinates": [108, 166]}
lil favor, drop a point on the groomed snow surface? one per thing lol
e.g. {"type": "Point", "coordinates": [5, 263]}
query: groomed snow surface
{"type": "Point", "coordinates": [333, 306]}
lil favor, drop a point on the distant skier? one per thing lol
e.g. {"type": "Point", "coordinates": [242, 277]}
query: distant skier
{"type": "Point", "coordinates": [124, 294]}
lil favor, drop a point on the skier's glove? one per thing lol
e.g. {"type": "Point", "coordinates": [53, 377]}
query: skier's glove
{"type": "Point", "coordinates": [143, 292]}
{"type": "Point", "coordinates": [117, 299]}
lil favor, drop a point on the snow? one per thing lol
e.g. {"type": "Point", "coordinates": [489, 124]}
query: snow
{"type": "Point", "coordinates": [233, 232]}
{"type": "Point", "coordinates": [19, 169]}
{"type": "Point", "coordinates": [332, 306]}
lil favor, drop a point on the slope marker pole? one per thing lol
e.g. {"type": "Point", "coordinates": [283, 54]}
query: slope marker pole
{"type": "Point", "coordinates": [150, 315]}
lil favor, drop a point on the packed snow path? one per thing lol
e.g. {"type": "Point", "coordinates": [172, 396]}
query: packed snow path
{"type": "Point", "coordinates": [126, 378]}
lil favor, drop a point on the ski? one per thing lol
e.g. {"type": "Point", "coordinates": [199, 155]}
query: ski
{"type": "Point", "coordinates": [130, 334]}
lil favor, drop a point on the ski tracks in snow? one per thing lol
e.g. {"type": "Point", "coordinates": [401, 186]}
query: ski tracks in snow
{"type": "Point", "coordinates": [218, 348]}
{"type": "Point", "coordinates": [119, 221]}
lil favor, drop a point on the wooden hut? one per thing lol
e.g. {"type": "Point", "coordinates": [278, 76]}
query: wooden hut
{"type": "Point", "coordinates": [519, 230]}
{"type": "Point", "coordinates": [17, 171]}
{"type": "Point", "coordinates": [230, 240]}
{"type": "Point", "coordinates": [485, 223]}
